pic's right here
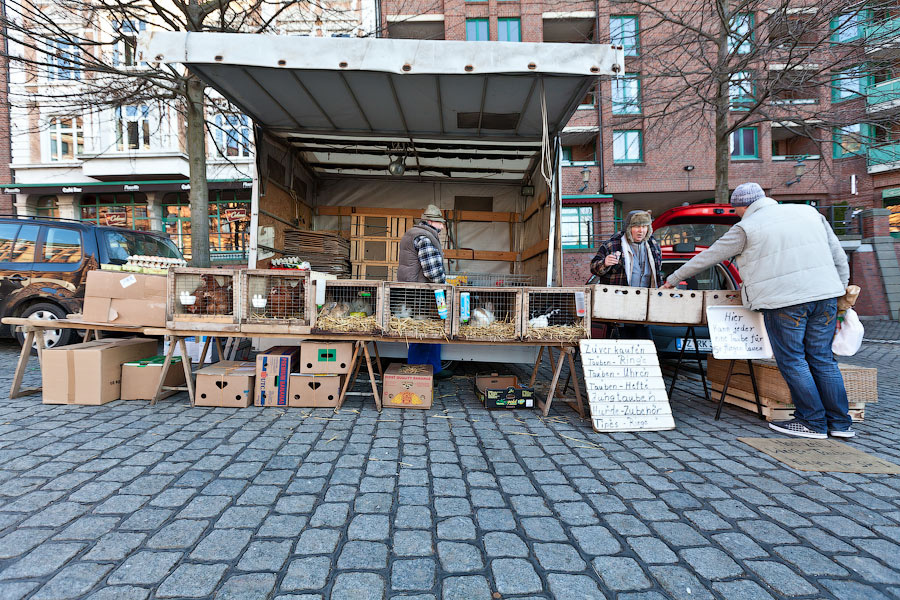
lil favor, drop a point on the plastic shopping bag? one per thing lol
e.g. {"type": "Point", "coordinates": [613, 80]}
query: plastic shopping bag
{"type": "Point", "coordinates": [848, 338]}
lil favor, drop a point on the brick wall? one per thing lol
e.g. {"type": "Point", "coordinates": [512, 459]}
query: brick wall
{"type": "Point", "coordinates": [6, 200]}
{"type": "Point", "coordinates": [865, 273]}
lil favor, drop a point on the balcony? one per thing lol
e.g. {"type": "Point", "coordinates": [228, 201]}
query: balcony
{"type": "Point", "coordinates": [883, 158]}
{"type": "Point", "coordinates": [143, 164]}
{"type": "Point", "coordinates": [883, 39]}
{"type": "Point", "coordinates": [884, 96]}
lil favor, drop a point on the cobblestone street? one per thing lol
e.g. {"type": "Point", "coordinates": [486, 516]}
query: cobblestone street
{"type": "Point", "coordinates": [124, 501]}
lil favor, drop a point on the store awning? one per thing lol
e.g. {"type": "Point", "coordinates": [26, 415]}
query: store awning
{"type": "Point", "coordinates": [107, 187]}
{"type": "Point", "coordinates": [352, 105]}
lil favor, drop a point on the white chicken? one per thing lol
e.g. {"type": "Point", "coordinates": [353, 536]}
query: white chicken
{"type": "Point", "coordinates": [542, 321]}
{"type": "Point", "coordinates": [483, 316]}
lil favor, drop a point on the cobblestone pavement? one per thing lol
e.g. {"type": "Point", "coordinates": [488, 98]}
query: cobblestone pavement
{"type": "Point", "coordinates": [124, 501]}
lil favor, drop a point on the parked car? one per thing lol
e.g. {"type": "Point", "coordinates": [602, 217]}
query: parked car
{"type": "Point", "coordinates": [683, 232]}
{"type": "Point", "coordinates": [44, 264]}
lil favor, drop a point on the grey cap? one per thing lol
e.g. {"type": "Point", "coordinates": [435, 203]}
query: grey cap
{"type": "Point", "coordinates": [746, 194]}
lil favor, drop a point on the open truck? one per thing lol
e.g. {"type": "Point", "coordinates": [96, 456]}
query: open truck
{"type": "Point", "coordinates": [351, 127]}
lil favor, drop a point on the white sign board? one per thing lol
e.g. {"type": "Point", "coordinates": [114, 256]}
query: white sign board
{"type": "Point", "coordinates": [737, 332]}
{"type": "Point", "coordinates": [625, 387]}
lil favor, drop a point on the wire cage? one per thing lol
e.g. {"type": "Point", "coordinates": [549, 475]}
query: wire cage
{"type": "Point", "coordinates": [557, 314]}
{"type": "Point", "coordinates": [200, 298]}
{"type": "Point", "coordinates": [494, 314]}
{"type": "Point", "coordinates": [273, 299]}
{"type": "Point", "coordinates": [351, 306]}
{"type": "Point", "coordinates": [469, 278]}
{"type": "Point", "coordinates": [410, 310]}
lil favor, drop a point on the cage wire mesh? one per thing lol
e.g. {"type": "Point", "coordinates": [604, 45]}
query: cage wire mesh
{"type": "Point", "coordinates": [468, 278]}
{"type": "Point", "coordinates": [413, 312]}
{"type": "Point", "coordinates": [553, 316]}
{"type": "Point", "coordinates": [349, 309]}
{"type": "Point", "coordinates": [204, 294]}
{"type": "Point", "coordinates": [492, 315]}
{"type": "Point", "coordinates": [276, 297]}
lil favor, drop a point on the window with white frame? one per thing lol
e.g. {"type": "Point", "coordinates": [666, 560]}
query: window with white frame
{"type": "Point", "coordinates": [740, 90]}
{"type": "Point", "coordinates": [233, 135]}
{"type": "Point", "coordinates": [66, 138]}
{"type": "Point", "coordinates": [627, 146]}
{"type": "Point", "coordinates": [125, 54]}
{"type": "Point", "coordinates": [741, 39]}
{"type": "Point", "coordinates": [626, 94]}
{"type": "Point", "coordinates": [133, 127]}
{"type": "Point", "coordinates": [62, 60]}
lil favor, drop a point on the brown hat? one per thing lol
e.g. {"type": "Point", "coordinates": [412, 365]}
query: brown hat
{"type": "Point", "coordinates": [639, 218]}
{"type": "Point", "coordinates": [433, 213]}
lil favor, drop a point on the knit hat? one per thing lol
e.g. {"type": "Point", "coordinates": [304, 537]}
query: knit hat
{"type": "Point", "coordinates": [433, 213]}
{"type": "Point", "coordinates": [746, 194]}
{"type": "Point", "coordinates": [639, 218]}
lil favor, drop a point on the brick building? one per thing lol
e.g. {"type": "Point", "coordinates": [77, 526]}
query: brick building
{"type": "Point", "coordinates": [613, 162]}
{"type": "Point", "coordinates": [6, 200]}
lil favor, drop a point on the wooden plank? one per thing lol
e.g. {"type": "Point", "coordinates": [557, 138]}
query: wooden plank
{"type": "Point", "coordinates": [469, 254]}
{"type": "Point", "coordinates": [458, 215]}
{"type": "Point", "coordinates": [536, 249]}
{"type": "Point", "coordinates": [483, 216]}
{"type": "Point", "coordinates": [534, 207]}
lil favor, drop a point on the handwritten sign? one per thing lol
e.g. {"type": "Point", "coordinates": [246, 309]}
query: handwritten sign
{"type": "Point", "coordinates": [625, 386]}
{"type": "Point", "coordinates": [737, 332]}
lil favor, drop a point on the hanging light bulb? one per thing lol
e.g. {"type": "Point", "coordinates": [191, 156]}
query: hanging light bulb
{"type": "Point", "coordinates": [397, 167]}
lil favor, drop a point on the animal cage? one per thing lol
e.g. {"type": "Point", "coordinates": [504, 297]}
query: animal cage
{"type": "Point", "coordinates": [494, 314]}
{"type": "Point", "coordinates": [410, 310]}
{"type": "Point", "coordinates": [275, 300]}
{"type": "Point", "coordinates": [556, 314]}
{"type": "Point", "coordinates": [203, 299]}
{"type": "Point", "coordinates": [351, 306]}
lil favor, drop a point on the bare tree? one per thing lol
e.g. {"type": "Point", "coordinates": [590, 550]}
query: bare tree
{"type": "Point", "coordinates": [88, 49]}
{"type": "Point", "coordinates": [716, 66]}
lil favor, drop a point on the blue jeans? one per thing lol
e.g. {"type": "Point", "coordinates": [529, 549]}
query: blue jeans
{"type": "Point", "coordinates": [801, 338]}
{"type": "Point", "coordinates": [425, 354]}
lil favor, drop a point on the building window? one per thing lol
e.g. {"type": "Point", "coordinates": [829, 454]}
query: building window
{"type": "Point", "coordinates": [742, 33]}
{"type": "Point", "coordinates": [477, 30]}
{"type": "Point", "coordinates": [116, 210]}
{"type": "Point", "coordinates": [848, 84]}
{"type": "Point", "coordinates": [745, 144]}
{"type": "Point", "coordinates": [623, 31]}
{"type": "Point", "coordinates": [566, 155]}
{"type": "Point", "coordinates": [66, 138]}
{"type": "Point", "coordinates": [133, 127]}
{"type": "Point", "coordinates": [62, 61]}
{"type": "Point", "coordinates": [627, 146]}
{"type": "Point", "coordinates": [509, 30]}
{"type": "Point", "coordinates": [229, 223]}
{"type": "Point", "coordinates": [590, 99]}
{"type": "Point", "coordinates": [46, 207]}
{"type": "Point", "coordinates": [125, 53]}
{"type": "Point", "coordinates": [577, 227]}
{"type": "Point", "coordinates": [849, 140]}
{"type": "Point", "coordinates": [741, 90]}
{"type": "Point", "coordinates": [626, 94]}
{"type": "Point", "coordinates": [233, 135]}
{"type": "Point", "coordinates": [849, 27]}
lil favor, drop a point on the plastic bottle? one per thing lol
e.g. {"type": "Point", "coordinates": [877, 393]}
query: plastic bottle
{"type": "Point", "coordinates": [441, 299]}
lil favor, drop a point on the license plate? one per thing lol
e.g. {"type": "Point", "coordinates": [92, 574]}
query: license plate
{"type": "Point", "coordinates": [705, 344]}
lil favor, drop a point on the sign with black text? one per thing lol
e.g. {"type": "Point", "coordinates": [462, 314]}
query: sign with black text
{"type": "Point", "coordinates": [625, 387]}
{"type": "Point", "coordinates": [737, 332]}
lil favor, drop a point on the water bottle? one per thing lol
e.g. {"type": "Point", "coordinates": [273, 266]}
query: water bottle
{"type": "Point", "coordinates": [464, 307]}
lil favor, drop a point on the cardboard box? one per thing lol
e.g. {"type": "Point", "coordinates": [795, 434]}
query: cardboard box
{"type": "Point", "coordinates": [408, 386]}
{"type": "Point", "coordinates": [226, 383]}
{"type": "Point", "coordinates": [325, 358]}
{"type": "Point", "coordinates": [315, 391]}
{"type": "Point", "coordinates": [503, 391]}
{"type": "Point", "coordinates": [273, 370]}
{"type": "Point", "coordinates": [98, 366]}
{"type": "Point", "coordinates": [140, 378]}
{"type": "Point", "coordinates": [123, 298]}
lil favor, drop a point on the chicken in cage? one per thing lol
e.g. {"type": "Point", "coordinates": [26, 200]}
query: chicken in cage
{"type": "Point", "coordinates": [414, 310]}
{"type": "Point", "coordinates": [276, 296]}
{"type": "Point", "coordinates": [204, 294]}
{"type": "Point", "coordinates": [350, 307]}
{"type": "Point", "coordinates": [556, 315]}
{"type": "Point", "coordinates": [486, 314]}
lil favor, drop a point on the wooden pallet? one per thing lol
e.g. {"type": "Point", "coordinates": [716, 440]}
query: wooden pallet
{"type": "Point", "coordinates": [375, 271]}
{"type": "Point", "coordinates": [374, 250]}
{"type": "Point", "coordinates": [772, 409]}
{"type": "Point", "coordinates": [379, 226]}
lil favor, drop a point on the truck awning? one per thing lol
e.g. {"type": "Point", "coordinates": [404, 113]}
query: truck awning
{"type": "Point", "coordinates": [352, 105]}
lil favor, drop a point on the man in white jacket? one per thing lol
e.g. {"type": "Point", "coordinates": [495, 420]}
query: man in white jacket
{"type": "Point", "coordinates": [793, 269]}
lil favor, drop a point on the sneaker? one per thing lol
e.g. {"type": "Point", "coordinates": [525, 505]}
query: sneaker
{"type": "Point", "coordinates": [798, 429]}
{"type": "Point", "coordinates": [842, 433]}
{"type": "Point", "coordinates": [444, 374]}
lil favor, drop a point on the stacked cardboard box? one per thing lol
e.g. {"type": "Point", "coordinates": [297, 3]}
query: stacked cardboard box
{"type": "Point", "coordinates": [226, 383]}
{"type": "Point", "coordinates": [273, 370]}
{"type": "Point", "coordinates": [125, 299]}
{"type": "Point", "coordinates": [140, 378]}
{"type": "Point", "coordinates": [323, 369]}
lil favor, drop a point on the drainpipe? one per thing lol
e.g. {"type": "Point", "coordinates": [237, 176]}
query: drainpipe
{"type": "Point", "coordinates": [378, 18]}
{"type": "Point", "coordinates": [598, 145]}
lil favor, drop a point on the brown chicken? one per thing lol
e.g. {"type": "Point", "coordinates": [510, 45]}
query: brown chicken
{"type": "Point", "coordinates": [212, 298]}
{"type": "Point", "coordinates": [282, 301]}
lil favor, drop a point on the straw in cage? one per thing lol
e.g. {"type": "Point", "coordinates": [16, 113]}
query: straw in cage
{"type": "Point", "coordinates": [204, 294]}
{"type": "Point", "coordinates": [348, 309]}
{"type": "Point", "coordinates": [414, 313]}
{"type": "Point", "coordinates": [553, 317]}
{"type": "Point", "coordinates": [275, 298]}
{"type": "Point", "coordinates": [493, 317]}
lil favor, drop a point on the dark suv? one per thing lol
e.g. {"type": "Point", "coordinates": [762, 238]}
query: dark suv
{"type": "Point", "coordinates": [44, 264]}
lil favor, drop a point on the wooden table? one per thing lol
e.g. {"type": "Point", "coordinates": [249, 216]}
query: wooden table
{"type": "Point", "coordinates": [566, 353]}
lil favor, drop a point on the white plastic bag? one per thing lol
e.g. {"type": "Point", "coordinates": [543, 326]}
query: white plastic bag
{"type": "Point", "coordinates": [849, 337]}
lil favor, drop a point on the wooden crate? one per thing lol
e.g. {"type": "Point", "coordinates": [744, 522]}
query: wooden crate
{"type": "Point", "coordinates": [861, 382]}
{"type": "Point", "coordinates": [368, 250]}
{"type": "Point", "coordinates": [375, 272]}
{"type": "Point", "coordinates": [275, 300]}
{"type": "Point", "coordinates": [403, 302]}
{"type": "Point", "coordinates": [565, 325]}
{"type": "Point", "coordinates": [202, 299]}
{"type": "Point", "coordinates": [374, 226]}
{"type": "Point", "coordinates": [340, 295]}
{"type": "Point", "coordinates": [504, 305]}
{"type": "Point", "coordinates": [772, 411]}
{"type": "Point", "coordinates": [675, 306]}
{"type": "Point", "coordinates": [620, 302]}
{"type": "Point", "coordinates": [720, 298]}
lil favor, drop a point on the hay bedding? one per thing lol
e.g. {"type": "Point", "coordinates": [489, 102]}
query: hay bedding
{"type": "Point", "coordinates": [348, 324]}
{"type": "Point", "coordinates": [417, 328]}
{"type": "Point", "coordinates": [559, 333]}
{"type": "Point", "coordinates": [497, 331]}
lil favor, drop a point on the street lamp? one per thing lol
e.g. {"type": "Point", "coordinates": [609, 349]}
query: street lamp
{"type": "Point", "coordinates": [799, 170]}
{"type": "Point", "coordinates": [585, 178]}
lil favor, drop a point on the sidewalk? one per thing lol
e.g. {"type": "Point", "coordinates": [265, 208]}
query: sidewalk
{"type": "Point", "coordinates": [123, 501]}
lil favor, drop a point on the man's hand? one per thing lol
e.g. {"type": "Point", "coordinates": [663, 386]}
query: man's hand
{"type": "Point", "coordinates": [610, 260]}
{"type": "Point", "coordinates": [666, 286]}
